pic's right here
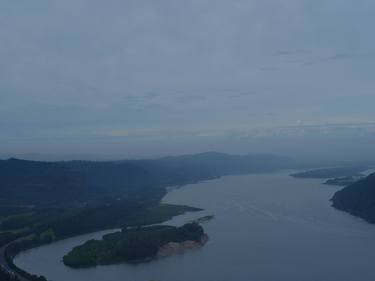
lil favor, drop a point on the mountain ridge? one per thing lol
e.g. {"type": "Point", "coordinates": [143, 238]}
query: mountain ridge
{"type": "Point", "coordinates": [38, 182]}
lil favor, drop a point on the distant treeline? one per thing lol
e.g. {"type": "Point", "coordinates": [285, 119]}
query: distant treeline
{"type": "Point", "coordinates": [336, 172]}
{"type": "Point", "coordinates": [60, 183]}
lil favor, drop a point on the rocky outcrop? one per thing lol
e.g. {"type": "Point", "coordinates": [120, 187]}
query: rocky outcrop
{"type": "Point", "coordinates": [174, 248]}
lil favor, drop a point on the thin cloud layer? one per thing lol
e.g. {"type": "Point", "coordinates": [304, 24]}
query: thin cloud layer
{"type": "Point", "coordinates": [77, 68]}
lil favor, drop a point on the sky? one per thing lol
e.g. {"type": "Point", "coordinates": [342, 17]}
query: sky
{"type": "Point", "coordinates": [147, 78]}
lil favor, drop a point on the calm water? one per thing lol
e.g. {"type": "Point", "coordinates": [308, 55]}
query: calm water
{"type": "Point", "coordinates": [267, 227]}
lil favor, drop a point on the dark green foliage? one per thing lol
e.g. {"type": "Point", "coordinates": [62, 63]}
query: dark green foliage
{"type": "Point", "coordinates": [13, 249]}
{"type": "Point", "coordinates": [79, 220]}
{"type": "Point", "coordinates": [358, 199]}
{"type": "Point", "coordinates": [130, 245]}
{"type": "Point", "coordinates": [115, 214]}
{"type": "Point", "coordinates": [6, 210]}
{"type": "Point", "coordinates": [38, 182]}
{"type": "Point", "coordinates": [17, 222]}
{"type": "Point", "coordinates": [92, 218]}
{"type": "Point", "coordinates": [7, 237]}
{"type": "Point", "coordinates": [7, 276]}
{"type": "Point", "coordinates": [62, 183]}
{"type": "Point", "coordinates": [190, 231]}
{"type": "Point", "coordinates": [156, 214]}
{"type": "Point", "coordinates": [32, 220]}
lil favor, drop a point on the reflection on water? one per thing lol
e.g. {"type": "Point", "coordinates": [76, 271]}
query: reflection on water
{"type": "Point", "coordinates": [266, 227]}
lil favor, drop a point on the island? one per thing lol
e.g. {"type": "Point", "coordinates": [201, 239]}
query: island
{"type": "Point", "coordinates": [135, 245]}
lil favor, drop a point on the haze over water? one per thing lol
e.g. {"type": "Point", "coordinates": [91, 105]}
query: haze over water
{"type": "Point", "coordinates": [267, 227]}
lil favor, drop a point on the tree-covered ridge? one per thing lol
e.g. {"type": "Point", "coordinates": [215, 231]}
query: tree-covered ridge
{"type": "Point", "coordinates": [131, 245]}
{"type": "Point", "coordinates": [336, 172]}
{"type": "Point", "coordinates": [41, 183]}
{"type": "Point", "coordinates": [358, 199]}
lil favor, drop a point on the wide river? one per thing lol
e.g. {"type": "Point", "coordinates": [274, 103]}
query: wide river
{"type": "Point", "coordinates": [266, 227]}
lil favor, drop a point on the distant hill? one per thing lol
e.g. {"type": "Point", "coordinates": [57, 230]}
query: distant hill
{"type": "Point", "coordinates": [34, 182]}
{"type": "Point", "coordinates": [336, 172]}
{"type": "Point", "coordinates": [358, 199]}
{"type": "Point", "coordinates": [224, 164]}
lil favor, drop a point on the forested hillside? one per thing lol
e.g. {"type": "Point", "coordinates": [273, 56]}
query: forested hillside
{"type": "Point", "coordinates": [36, 183]}
{"type": "Point", "coordinates": [358, 199]}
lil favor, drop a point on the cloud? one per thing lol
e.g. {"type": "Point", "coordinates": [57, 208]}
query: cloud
{"type": "Point", "coordinates": [68, 68]}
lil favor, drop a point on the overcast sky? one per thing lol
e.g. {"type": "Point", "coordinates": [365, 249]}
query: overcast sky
{"type": "Point", "coordinates": [81, 75]}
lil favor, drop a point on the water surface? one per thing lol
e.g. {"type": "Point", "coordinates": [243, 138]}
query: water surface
{"type": "Point", "coordinates": [266, 227]}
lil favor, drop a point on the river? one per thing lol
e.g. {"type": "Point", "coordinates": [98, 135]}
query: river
{"type": "Point", "coordinates": [267, 227]}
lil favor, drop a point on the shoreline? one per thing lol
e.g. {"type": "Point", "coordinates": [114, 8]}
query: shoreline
{"type": "Point", "coordinates": [27, 276]}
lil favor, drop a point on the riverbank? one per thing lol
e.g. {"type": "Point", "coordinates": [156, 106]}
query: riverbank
{"type": "Point", "coordinates": [146, 216]}
{"type": "Point", "coordinates": [258, 218]}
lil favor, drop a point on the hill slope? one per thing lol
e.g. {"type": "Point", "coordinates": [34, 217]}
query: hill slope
{"type": "Point", "coordinates": [33, 182]}
{"type": "Point", "coordinates": [358, 199]}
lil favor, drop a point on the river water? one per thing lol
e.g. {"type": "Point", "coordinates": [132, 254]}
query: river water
{"type": "Point", "coordinates": [266, 227]}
